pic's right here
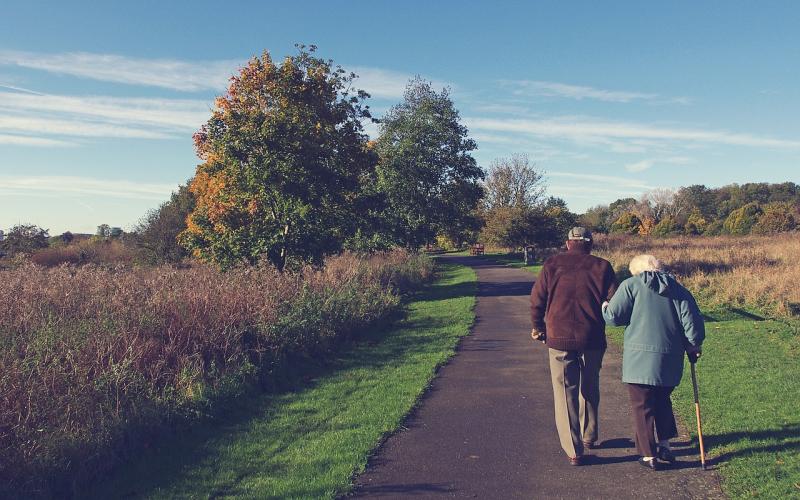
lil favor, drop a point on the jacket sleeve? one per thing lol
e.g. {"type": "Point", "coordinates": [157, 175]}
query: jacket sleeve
{"type": "Point", "coordinates": [610, 281]}
{"type": "Point", "coordinates": [539, 301]}
{"type": "Point", "coordinates": [692, 320]}
{"type": "Point", "coordinates": [618, 312]}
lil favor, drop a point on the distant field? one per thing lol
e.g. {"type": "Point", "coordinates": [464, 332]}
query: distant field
{"type": "Point", "coordinates": [749, 390]}
{"type": "Point", "coordinates": [756, 272]}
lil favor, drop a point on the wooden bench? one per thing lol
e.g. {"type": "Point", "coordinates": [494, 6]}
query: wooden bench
{"type": "Point", "coordinates": [476, 249]}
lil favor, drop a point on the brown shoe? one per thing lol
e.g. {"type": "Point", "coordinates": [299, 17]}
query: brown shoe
{"type": "Point", "coordinates": [576, 460]}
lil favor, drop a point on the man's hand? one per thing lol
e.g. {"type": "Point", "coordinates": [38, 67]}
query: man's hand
{"type": "Point", "coordinates": [537, 335]}
{"type": "Point", "coordinates": [693, 353]}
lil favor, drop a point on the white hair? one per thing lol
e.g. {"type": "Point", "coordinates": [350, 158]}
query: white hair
{"type": "Point", "coordinates": [642, 263]}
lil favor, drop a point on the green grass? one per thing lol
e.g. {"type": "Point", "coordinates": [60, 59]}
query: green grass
{"type": "Point", "coordinates": [749, 399]}
{"type": "Point", "coordinates": [513, 260]}
{"type": "Point", "coordinates": [309, 443]}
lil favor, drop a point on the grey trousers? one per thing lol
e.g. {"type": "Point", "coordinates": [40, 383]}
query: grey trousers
{"type": "Point", "coordinates": [576, 394]}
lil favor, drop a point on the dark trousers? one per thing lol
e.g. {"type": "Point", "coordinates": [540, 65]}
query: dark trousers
{"type": "Point", "coordinates": [651, 407]}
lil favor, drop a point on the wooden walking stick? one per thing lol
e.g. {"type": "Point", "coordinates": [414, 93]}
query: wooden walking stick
{"type": "Point", "coordinates": [697, 412]}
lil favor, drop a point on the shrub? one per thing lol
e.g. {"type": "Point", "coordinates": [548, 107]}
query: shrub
{"type": "Point", "coordinates": [96, 360]}
{"type": "Point", "coordinates": [777, 218]}
{"type": "Point", "coordinates": [627, 223]}
{"type": "Point", "coordinates": [741, 221]}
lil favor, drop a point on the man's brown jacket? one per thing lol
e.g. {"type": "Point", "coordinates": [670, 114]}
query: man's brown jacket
{"type": "Point", "coordinates": [566, 299]}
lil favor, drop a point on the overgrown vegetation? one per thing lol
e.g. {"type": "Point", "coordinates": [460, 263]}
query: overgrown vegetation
{"type": "Point", "coordinates": [310, 441]}
{"type": "Point", "coordinates": [95, 360]}
{"type": "Point", "coordinates": [757, 272]}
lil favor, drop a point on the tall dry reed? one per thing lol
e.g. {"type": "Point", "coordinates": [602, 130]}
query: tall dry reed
{"type": "Point", "coordinates": [756, 271]}
{"type": "Point", "coordinates": [93, 359]}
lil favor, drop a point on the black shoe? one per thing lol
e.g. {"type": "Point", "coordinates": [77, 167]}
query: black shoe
{"type": "Point", "coordinates": [665, 455]}
{"type": "Point", "coordinates": [590, 445]}
{"type": "Point", "coordinates": [651, 464]}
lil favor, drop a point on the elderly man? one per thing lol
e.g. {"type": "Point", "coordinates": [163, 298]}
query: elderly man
{"type": "Point", "coordinates": [566, 315]}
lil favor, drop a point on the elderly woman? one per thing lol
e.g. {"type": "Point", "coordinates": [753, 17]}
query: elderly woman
{"type": "Point", "coordinates": [663, 321]}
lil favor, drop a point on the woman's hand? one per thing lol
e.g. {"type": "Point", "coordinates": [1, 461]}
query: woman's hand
{"type": "Point", "coordinates": [693, 353]}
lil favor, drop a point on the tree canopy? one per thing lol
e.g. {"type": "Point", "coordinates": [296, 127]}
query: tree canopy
{"type": "Point", "coordinates": [283, 156]}
{"type": "Point", "coordinates": [429, 179]}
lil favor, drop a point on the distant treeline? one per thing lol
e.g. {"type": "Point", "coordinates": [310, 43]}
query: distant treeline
{"type": "Point", "coordinates": [752, 208]}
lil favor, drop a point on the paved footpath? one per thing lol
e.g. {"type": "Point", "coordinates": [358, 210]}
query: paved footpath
{"type": "Point", "coordinates": [485, 429]}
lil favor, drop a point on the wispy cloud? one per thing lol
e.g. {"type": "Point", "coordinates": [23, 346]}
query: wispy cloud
{"type": "Point", "coordinates": [387, 84]}
{"type": "Point", "coordinates": [64, 186]}
{"type": "Point", "coordinates": [182, 114]}
{"type": "Point", "coordinates": [639, 166]}
{"type": "Point", "coordinates": [166, 73]}
{"type": "Point", "coordinates": [587, 130]}
{"type": "Point", "coordinates": [23, 140]}
{"type": "Point", "coordinates": [32, 120]}
{"type": "Point", "coordinates": [581, 92]}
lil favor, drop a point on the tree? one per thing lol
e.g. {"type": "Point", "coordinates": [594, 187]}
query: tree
{"type": "Point", "coordinates": [667, 226]}
{"type": "Point", "coordinates": [429, 180]}
{"type": "Point", "coordinates": [596, 219]}
{"type": "Point", "coordinates": [777, 218]}
{"type": "Point", "coordinates": [156, 235]}
{"type": "Point", "coordinates": [283, 156]}
{"type": "Point", "coordinates": [24, 238]}
{"type": "Point", "coordinates": [742, 220]}
{"type": "Point", "coordinates": [513, 182]}
{"type": "Point", "coordinates": [627, 223]}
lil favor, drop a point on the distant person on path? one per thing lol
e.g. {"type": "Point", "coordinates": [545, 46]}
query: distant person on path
{"type": "Point", "coordinates": [566, 315]}
{"type": "Point", "coordinates": [663, 321]}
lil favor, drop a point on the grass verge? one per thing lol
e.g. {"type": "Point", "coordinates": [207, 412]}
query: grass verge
{"type": "Point", "coordinates": [310, 442]}
{"type": "Point", "coordinates": [749, 393]}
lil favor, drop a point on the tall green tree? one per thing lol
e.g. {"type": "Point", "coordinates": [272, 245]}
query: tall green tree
{"type": "Point", "coordinates": [426, 172]}
{"type": "Point", "coordinates": [283, 155]}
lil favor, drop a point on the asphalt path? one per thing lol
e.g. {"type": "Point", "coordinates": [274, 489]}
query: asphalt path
{"type": "Point", "coordinates": [485, 428]}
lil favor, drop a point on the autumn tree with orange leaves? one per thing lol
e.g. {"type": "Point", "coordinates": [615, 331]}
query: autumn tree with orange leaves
{"type": "Point", "coordinates": [284, 155]}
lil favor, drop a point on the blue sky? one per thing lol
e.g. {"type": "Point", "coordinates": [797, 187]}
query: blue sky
{"type": "Point", "coordinates": [98, 100]}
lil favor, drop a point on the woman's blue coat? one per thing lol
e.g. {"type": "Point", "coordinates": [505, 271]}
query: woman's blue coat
{"type": "Point", "coordinates": [662, 319]}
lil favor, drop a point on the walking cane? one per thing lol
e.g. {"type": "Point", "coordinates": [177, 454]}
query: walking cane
{"type": "Point", "coordinates": [697, 412]}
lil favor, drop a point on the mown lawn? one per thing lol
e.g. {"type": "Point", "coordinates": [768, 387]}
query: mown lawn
{"type": "Point", "coordinates": [749, 400]}
{"type": "Point", "coordinates": [310, 443]}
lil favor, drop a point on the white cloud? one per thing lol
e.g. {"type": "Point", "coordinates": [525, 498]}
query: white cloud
{"type": "Point", "coordinates": [580, 92]}
{"type": "Point", "coordinates": [35, 126]}
{"type": "Point", "coordinates": [23, 140]}
{"type": "Point", "coordinates": [387, 84]}
{"type": "Point", "coordinates": [65, 186]}
{"type": "Point", "coordinates": [172, 74]}
{"type": "Point", "coordinates": [605, 132]}
{"type": "Point", "coordinates": [639, 166]}
{"type": "Point", "coordinates": [181, 114]}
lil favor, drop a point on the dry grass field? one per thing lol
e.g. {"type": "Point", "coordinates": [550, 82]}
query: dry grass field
{"type": "Point", "coordinates": [760, 272]}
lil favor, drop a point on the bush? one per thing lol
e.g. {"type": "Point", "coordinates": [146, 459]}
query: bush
{"type": "Point", "coordinates": [666, 227]}
{"type": "Point", "coordinates": [741, 221]}
{"type": "Point", "coordinates": [96, 361]}
{"type": "Point", "coordinates": [627, 223]}
{"type": "Point", "coordinates": [777, 218]}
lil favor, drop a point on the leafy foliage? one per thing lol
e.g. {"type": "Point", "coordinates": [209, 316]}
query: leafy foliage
{"type": "Point", "coordinates": [156, 235]}
{"type": "Point", "coordinates": [428, 178]}
{"type": "Point", "coordinates": [24, 238]}
{"type": "Point", "coordinates": [742, 220]}
{"type": "Point", "coordinates": [283, 157]}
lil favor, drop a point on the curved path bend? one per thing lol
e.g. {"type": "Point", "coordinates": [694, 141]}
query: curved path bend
{"type": "Point", "coordinates": [485, 428]}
